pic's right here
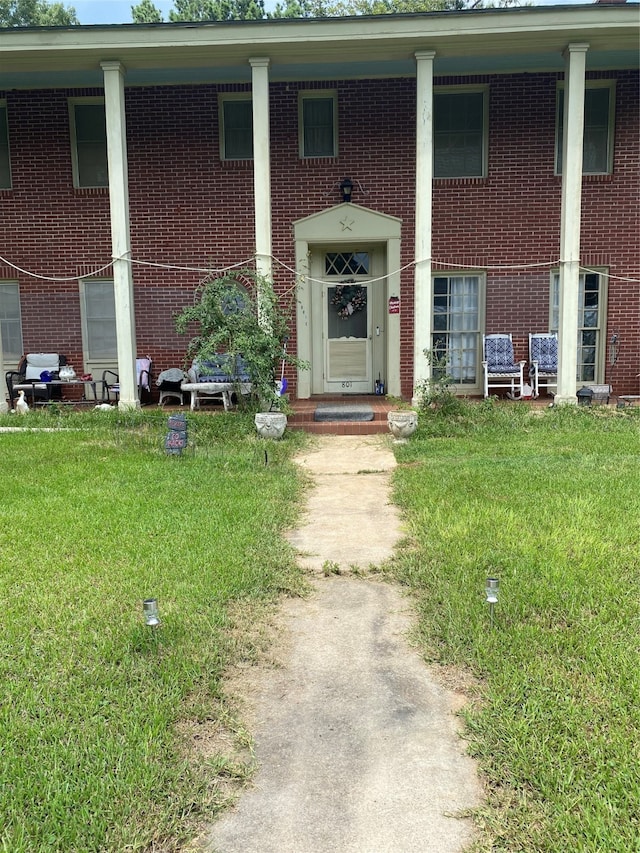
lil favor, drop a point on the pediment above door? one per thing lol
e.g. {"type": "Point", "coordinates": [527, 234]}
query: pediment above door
{"type": "Point", "coordinates": [348, 222]}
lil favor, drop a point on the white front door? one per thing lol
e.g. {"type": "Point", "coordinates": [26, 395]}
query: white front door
{"type": "Point", "coordinates": [347, 336]}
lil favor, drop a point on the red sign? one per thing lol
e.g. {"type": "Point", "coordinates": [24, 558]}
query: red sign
{"type": "Point", "coordinates": [394, 305]}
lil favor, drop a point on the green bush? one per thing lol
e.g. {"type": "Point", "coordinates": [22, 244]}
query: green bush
{"type": "Point", "coordinates": [239, 314]}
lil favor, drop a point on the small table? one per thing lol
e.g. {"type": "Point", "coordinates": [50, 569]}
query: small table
{"type": "Point", "coordinates": [30, 386]}
{"type": "Point", "coordinates": [629, 399]}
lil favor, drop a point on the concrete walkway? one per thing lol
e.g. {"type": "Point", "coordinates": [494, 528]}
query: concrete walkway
{"type": "Point", "coordinates": [357, 745]}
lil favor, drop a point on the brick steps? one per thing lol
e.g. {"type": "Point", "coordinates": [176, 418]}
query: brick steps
{"type": "Point", "coordinates": [303, 412]}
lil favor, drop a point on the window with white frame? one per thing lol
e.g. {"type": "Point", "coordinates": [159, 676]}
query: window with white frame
{"type": "Point", "coordinates": [599, 112]}
{"type": "Point", "coordinates": [236, 127]}
{"type": "Point", "coordinates": [89, 142]}
{"type": "Point", "coordinates": [458, 307]}
{"type": "Point", "coordinates": [98, 312]}
{"type": "Point", "coordinates": [5, 162]}
{"type": "Point", "coordinates": [460, 133]}
{"type": "Point", "coordinates": [592, 301]}
{"type": "Point", "coordinates": [10, 321]}
{"type": "Point", "coordinates": [317, 113]}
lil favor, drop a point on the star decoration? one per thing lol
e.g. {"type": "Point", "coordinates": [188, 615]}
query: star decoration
{"type": "Point", "coordinates": [347, 223]}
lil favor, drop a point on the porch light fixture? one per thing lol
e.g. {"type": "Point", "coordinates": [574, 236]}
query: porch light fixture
{"type": "Point", "coordinates": [491, 592]}
{"type": "Point", "coordinates": [346, 188]}
{"type": "Point", "coordinates": [150, 609]}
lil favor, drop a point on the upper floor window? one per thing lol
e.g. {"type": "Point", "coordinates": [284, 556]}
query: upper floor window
{"type": "Point", "coordinates": [89, 143]}
{"type": "Point", "coordinates": [599, 106]}
{"type": "Point", "coordinates": [10, 321]}
{"type": "Point", "coordinates": [459, 133]}
{"type": "Point", "coordinates": [318, 124]}
{"type": "Point", "coordinates": [5, 164]}
{"type": "Point", "coordinates": [236, 127]}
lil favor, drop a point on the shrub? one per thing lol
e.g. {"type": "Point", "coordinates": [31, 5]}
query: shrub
{"type": "Point", "coordinates": [239, 313]}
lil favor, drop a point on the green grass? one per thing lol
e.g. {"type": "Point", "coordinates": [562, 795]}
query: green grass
{"type": "Point", "coordinates": [95, 706]}
{"type": "Point", "coordinates": [94, 519]}
{"type": "Point", "coordinates": [550, 504]}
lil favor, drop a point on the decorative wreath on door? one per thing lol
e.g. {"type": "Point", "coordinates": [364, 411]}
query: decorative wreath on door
{"type": "Point", "coordinates": [349, 298]}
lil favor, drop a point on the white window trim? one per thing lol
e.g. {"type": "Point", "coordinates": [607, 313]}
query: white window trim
{"type": "Point", "coordinates": [3, 105]}
{"type": "Point", "coordinates": [603, 302]}
{"type": "Point", "coordinates": [306, 95]}
{"type": "Point", "coordinates": [12, 360]}
{"type": "Point", "coordinates": [463, 387]}
{"type": "Point", "coordinates": [222, 98]}
{"type": "Point", "coordinates": [462, 90]}
{"type": "Point", "coordinates": [72, 103]}
{"type": "Point", "coordinates": [590, 84]}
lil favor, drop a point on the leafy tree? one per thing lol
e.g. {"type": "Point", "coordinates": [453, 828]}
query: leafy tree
{"type": "Point", "coordinates": [201, 10]}
{"type": "Point", "coordinates": [299, 9]}
{"type": "Point", "coordinates": [229, 10]}
{"type": "Point", "coordinates": [146, 13]}
{"type": "Point", "coordinates": [36, 13]}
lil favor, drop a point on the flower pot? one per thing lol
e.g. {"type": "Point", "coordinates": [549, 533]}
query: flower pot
{"type": "Point", "coordinates": [402, 424]}
{"type": "Point", "coordinates": [270, 424]}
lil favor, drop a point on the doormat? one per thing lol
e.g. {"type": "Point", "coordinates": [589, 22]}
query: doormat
{"type": "Point", "coordinates": [343, 412]}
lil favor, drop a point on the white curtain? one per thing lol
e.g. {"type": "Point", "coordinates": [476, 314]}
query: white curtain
{"type": "Point", "coordinates": [463, 328]}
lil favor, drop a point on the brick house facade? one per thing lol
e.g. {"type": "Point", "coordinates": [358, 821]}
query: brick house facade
{"type": "Point", "coordinates": [188, 208]}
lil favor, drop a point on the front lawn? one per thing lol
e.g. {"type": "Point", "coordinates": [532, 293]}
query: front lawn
{"type": "Point", "coordinates": [93, 519]}
{"type": "Point", "coordinates": [549, 503]}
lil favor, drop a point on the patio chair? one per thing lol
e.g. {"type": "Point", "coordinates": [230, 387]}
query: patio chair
{"type": "Point", "coordinates": [169, 382]}
{"type": "Point", "coordinates": [543, 361]}
{"type": "Point", "coordinates": [499, 366]}
{"type": "Point", "coordinates": [31, 367]}
{"type": "Point", "coordinates": [111, 381]}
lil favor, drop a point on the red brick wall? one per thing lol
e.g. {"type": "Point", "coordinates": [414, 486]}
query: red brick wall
{"type": "Point", "coordinates": [191, 210]}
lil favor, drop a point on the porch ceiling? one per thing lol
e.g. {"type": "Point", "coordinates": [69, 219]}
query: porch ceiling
{"type": "Point", "coordinates": [527, 39]}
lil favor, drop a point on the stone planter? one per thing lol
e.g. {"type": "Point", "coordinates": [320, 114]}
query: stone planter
{"type": "Point", "coordinates": [402, 424]}
{"type": "Point", "coordinates": [270, 424]}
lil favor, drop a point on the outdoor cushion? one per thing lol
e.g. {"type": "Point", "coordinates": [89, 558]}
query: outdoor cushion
{"type": "Point", "coordinates": [173, 376]}
{"type": "Point", "coordinates": [544, 350]}
{"type": "Point", "coordinates": [499, 355]}
{"type": "Point", "coordinates": [37, 362]}
{"type": "Point", "coordinates": [219, 370]}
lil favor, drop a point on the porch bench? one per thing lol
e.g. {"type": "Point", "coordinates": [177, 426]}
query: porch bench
{"type": "Point", "coordinates": [216, 379]}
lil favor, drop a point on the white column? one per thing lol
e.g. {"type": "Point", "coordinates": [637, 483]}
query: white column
{"type": "Point", "coordinates": [120, 232]}
{"type": "Point", "coordinates": [572, 146]}
{"type": "Point", "coordinates": [261, 164]}
{"type": "Point", "coordinates": [424, 197]}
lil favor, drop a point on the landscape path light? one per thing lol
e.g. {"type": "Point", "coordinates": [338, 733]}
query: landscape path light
{"type": "Point", "coordinates": [491, 593]}
{"type": "Point", "coordinates": [150, 608]}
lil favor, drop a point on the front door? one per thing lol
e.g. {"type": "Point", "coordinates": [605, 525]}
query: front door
{"type": "Point", "coordinates": [347, 336]}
